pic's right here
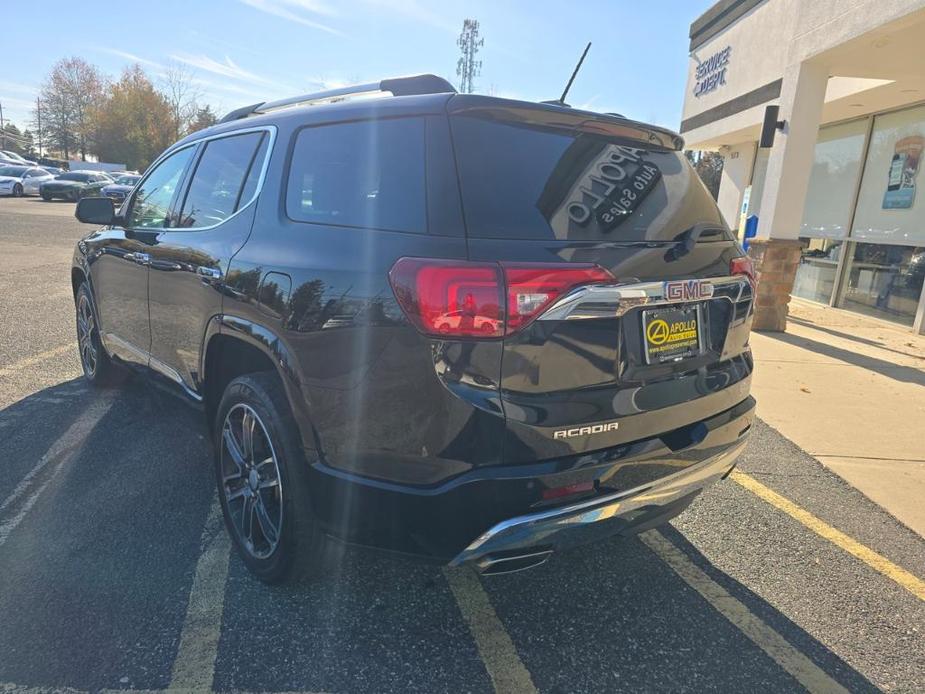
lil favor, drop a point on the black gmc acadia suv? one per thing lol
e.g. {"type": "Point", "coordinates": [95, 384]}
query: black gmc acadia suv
{"type": "Point", "coordinates": [460, 327]}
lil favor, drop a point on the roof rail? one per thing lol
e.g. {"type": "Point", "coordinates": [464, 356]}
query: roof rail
{"type": "Point", "coordinates": [397, 86]}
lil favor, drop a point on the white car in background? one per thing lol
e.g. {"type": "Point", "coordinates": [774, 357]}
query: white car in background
{"type": "Point", "coordinates": [22, 180]}
{"type": "Point", "coordinates": [16, 158]}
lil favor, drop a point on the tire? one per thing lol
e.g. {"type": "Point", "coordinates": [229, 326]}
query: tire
{"type": "Point", "coordinates": [98, 368]}
{"type": "Point", "coordinates": [264, 495]}
{"type": "Point", "coordinates": [46, 197]}
{"type": "Point", "coordinates": [17, 190]}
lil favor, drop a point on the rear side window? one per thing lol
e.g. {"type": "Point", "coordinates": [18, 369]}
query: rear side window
{"type": "Point", "coordinates": [217, 187]}
{"type": "Point", "coordinates": [529, 182]}
{"type": "Point", "coordinates": [364, 174]}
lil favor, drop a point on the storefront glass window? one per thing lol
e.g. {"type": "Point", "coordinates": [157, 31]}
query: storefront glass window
{"type": "Point", "coordinates": [884, 280]}
{"type": "Point", "coordinates": [836, 163]}
{"type": "Point", "coordinates": [815, 279]}
{"type": "Point", "coordinates": [891, 209]}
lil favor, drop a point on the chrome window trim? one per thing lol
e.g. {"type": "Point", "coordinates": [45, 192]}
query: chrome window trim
{"type": "Point", "coordinates": [270, 129]}
{"type": "Point", "coordinates": [615, 300]}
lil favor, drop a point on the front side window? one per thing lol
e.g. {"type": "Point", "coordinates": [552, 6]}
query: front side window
{"type": "Point", "coordinates": [151, 203]}
{"type": "Point", "coordinates": [365, 174]}
{"type": "Point", "coordinates": [215, 191]}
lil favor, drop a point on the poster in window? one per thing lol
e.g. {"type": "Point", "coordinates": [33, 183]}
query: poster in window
{"type": "Point", "coordinates": [904, 165]}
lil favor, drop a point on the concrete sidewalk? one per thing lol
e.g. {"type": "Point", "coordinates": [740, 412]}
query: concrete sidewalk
{"type": "Point", "coordinates": [850, 391]}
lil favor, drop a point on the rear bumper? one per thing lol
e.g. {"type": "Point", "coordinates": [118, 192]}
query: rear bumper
{"type": "Point", "coordinates": [537, 535]}
{"type": "Point", "coordinates": [497, 510]}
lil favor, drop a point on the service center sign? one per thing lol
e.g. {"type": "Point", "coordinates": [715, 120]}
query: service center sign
{"type": "Point", "coordinates": [711, 73]}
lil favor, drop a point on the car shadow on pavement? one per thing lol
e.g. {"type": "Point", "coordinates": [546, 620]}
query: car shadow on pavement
{"type": "Point", "coordinates": [29, 427]}
{"type": "Point", "coordinates": [616, 617]}
{"type": "Point", "coordinates": [797, 637]}
{"type": "Point", "coordinates": [98, 575]}
{"type": "Point", "coordinates": [906, 374]}
{"type": "Point", "coordinates": [103, 540]}
{"type": "Point", "coordinates": [606, 617]}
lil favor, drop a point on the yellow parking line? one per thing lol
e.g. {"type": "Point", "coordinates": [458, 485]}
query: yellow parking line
{"type": "Point", "coordinates": [801, 668]}
{"type": "Point", "coordinates": [910, 582]}
{"type": "Point", "coordinates": [194, 666]}
{"type": "Point", "coordinates": [36, 359]}
{"type": "Point", "coordinates": [504, 666]}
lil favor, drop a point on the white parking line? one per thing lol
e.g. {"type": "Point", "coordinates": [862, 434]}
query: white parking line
{"type": "Point", "coordinates": [194, 666]}
{"type": "Point", "coordinates": [801, 668]}
{"type": "Point", "coordinates": [36, 359]}
{"type": "Point", "coordinates": [61, 451]}
{"type": "Point", "coordinates": [504, 666]}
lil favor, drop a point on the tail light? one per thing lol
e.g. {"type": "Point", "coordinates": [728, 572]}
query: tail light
{"type": "Point", "coordinates": [743, 266]}
{"type": "Point", "coordinates": [482, 300]}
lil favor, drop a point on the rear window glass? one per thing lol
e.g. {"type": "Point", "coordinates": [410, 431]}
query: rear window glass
{"type": "Point", "coordinates": [363, 174]}
{"type": "Point", "coordinates": [526, 182]}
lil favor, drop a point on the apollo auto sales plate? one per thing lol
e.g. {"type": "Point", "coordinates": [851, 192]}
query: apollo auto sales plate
{"type": "Point", "coordinates": [672, 333]}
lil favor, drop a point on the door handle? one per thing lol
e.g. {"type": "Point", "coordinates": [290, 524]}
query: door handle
{"type": "Point", "coordinates": [140, 258]}
{"type": "Point", "coordinates": [212, 273]}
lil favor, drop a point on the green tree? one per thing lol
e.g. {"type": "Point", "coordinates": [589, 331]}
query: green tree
{"type": "Point", "coordinates": [135, 122]}
{"type": "Point", "coordinates": [205, 118]}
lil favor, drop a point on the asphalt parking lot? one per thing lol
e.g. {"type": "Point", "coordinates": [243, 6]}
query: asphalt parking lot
{"type": "Point", "coordinates": [115, 573]}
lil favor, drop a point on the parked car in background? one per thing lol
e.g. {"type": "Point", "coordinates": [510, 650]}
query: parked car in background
{"type": "Point", "coordinates": [53, 170]}
{"type": "Point", "coordinates": [12, 156]}
{"type": "Point", "coordinates": [74, 185]}
{"type": "Point", "coordinates": [121, 187]}
{"type": "Point", "coordinates": [22, 180]}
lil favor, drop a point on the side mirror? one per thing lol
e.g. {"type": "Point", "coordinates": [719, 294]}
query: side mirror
{"type": "Point", "coordinates": [96, 211]}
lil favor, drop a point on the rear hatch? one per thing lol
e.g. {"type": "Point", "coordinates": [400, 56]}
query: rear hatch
{"type": "Point", "coordinates": [648, 350]}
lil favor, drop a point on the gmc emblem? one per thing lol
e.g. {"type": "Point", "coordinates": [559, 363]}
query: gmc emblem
{"type": "Point", "coordinates": [688, 290]}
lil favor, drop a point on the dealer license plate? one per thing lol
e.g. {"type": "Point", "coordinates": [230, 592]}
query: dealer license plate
{"type": "Point", "coordinates": [671, 334]}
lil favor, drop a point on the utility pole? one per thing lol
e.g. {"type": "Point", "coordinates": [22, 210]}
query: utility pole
{"type": "Point", "coordinates": [2, 129]}
{"type": "Point", "coordinates": [468, 67]}
{"type": "Point", "coordinates": [38, 114]}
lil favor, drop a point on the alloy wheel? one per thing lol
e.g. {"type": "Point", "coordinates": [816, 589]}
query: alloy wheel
{"type": "Point", "coordinates": [86, 328]}
{"type": "Point", "coordinates": [17, 191]}
{"type": "Point", "coordinates": [251, 481]}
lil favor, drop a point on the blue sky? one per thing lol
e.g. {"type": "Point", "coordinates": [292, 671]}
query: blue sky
{"type": "Point", "coordinates": [242, 51]}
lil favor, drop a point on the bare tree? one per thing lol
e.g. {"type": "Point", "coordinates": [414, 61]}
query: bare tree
{"type": "Point", "coordinates": [178, 86]}
{"type": "Point", "coordinates": [71, 98]}
{"type": "Point", "coordinates": [467, 68]}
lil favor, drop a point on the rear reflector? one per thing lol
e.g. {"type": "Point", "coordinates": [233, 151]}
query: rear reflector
{"type": "Point", "coordinates": [559, 492]}
{"type": "Point", "coordinates": [482, 300]}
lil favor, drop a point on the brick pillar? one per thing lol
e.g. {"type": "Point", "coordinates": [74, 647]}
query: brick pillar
{"type": "Point", "coordinates": [776, 262]}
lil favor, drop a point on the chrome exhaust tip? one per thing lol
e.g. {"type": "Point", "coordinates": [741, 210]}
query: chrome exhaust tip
{"type": "Point", "coordinates": [495, 565]}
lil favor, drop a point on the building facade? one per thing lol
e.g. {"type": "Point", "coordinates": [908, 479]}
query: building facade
{"type": "Point", "coordinates": [839, 195]}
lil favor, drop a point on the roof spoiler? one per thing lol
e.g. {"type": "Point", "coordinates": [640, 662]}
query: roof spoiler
{"type": "Point", "coordinates": [397, 86]}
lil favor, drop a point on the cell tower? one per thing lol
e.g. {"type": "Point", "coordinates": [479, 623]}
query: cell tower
{"type": "Point", "coordinates": [468, 67]}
